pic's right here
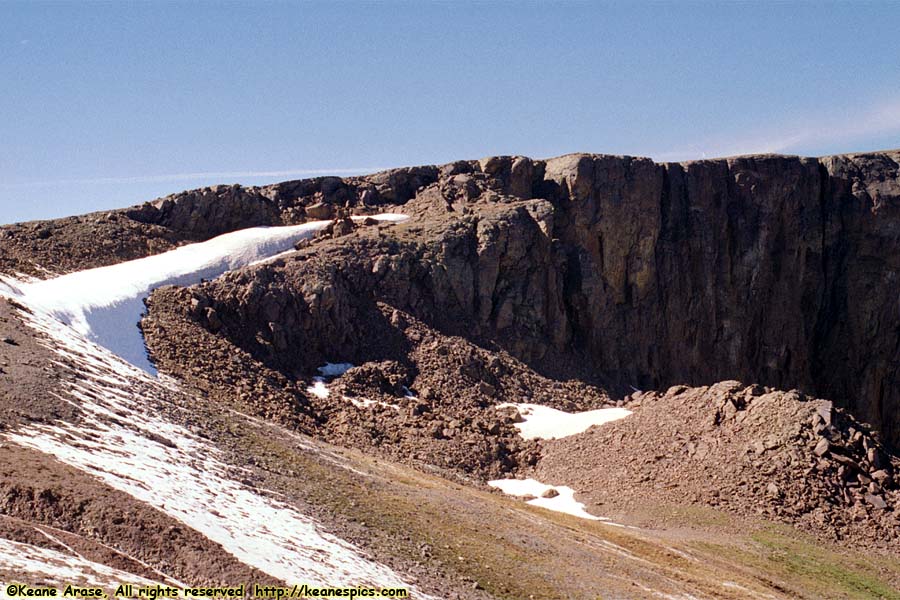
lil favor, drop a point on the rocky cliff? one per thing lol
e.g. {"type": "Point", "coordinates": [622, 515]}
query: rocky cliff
{"type": "Point", "coordinates": [564, 285]}
{"type": "Point", "coordinates": [768, 269]}
{"type": "Point", "coordinates": [771, 269]}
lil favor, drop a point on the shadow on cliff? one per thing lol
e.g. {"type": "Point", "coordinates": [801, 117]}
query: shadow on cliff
{"type": "Point", "coordinates": [774, 270]}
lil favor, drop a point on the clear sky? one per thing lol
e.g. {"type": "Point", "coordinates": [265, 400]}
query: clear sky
{"type": "Point", "coordinates": [109, 104]}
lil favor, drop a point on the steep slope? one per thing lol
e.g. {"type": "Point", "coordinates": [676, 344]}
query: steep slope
{"type": "Point", "coordinates": [125, 432]}
{"type": "Point", "coordinates": [103, 513]}
{"type": "Point", "coordinates": [520, 296]}
{"type": "Point", "coordinates": [781, 268]}
{"type": "Point", "coordinates": [401, 305]}
{"type": "Point", "coordinates": [104, 304]}
{"type": "Point", "coordinates": [775, 270]}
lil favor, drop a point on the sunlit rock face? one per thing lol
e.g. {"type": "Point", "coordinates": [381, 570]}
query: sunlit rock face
{"type": "Point", "coordinates": [772, 269]}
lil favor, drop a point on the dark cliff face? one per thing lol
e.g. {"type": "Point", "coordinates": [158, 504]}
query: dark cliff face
{"type": "Point", "coordinates": [696, 272]}
{"type": "Point", "coordinates": [768, 269]}
{"type": "Point", "coordinates": [771, 269]}
{"type": "Point", "coordinates": [774, 270]}
{"type": "Point", "coordinates": [857, 341]}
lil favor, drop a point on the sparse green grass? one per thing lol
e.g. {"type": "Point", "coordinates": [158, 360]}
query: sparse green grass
{"type": "Point", "coordinates": [515, 551]}
{"type": "Point", "coordinates": [800, 567]}
{"type": "Point", "coordinates": [847, 575]}
{"type": "Point", "coordinates": [411, 509]}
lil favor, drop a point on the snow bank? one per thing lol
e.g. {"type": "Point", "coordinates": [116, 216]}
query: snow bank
{"type": "Point", "coordinates": [366, 403]}
{"type": "Point", "coordinates": [543, 422]}
{"type": "Point", "coordinates": [328, 371]}
{"type": "Point", "coordinates": [563, 502]}
{"type": "Point", "coordinates": [124, 439]}
{"type": "Point", "coordinates": [52, 567]}
{"type": "Point", "coordinates": [318, 388]}
{"type": "Point", "coordinates": [105, 304]}
{"type": "Point", "coordinates": [332, 370]}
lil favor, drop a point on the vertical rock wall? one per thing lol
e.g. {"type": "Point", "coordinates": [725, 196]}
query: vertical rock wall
{"type": "Point", "coordinates": [770, 269]}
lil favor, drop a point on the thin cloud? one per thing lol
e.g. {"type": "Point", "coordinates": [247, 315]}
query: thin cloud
{"type": "Point", "coordinates": [883, 119]}
{"type": "Point", "coordinates": [175, 177]}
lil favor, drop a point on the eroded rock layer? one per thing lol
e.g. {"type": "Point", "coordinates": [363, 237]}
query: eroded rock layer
{"type": "Point", "coordinates": [770, 269]}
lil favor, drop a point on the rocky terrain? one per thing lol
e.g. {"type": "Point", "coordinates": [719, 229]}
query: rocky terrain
{"type": "Point", "coordinates": [780, 267]}
{"type": "Point", "coordinates": [750, 449]}
{"type": "Point", "coordinates": [579, 283]}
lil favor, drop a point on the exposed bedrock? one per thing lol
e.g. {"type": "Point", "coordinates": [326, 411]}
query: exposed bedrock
{"type": "Point", "coordinates": [773, 270]}
{"type": "Point", "coordinates": [211, 211]}
{"type": "Point", "coordinates": [768, 269]}
{"type": "Point", "coordinates": [492, 277]}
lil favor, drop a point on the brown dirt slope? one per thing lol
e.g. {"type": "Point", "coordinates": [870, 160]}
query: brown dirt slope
{"type": "Point", "coordinates": [38, 493]}
{"type": "Point", "coordinates": [749, 450]}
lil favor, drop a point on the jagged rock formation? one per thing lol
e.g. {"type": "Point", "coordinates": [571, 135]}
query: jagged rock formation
{"type": "Point", "coordinates": [567, 282]}
{"type": "Point", "coordinates": [211, 211]}
{"type": "Point", "coordinates": [259, 334]}
{"type": "Point", "coordinates": [770, 269]}
{"type": "Point", "coordinates": [775, 270]}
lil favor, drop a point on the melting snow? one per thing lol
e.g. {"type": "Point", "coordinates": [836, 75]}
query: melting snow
{"type": "Point", "coordinates": [318, 388]}
{"type": "Point", "coordinates": [191, 484]}
{"type": "Point", "coordinates": [334, 369]}
{"type": "Point", "coordinates": [328, 371]}
{"type": "Point", "coordinates": [180, 473]}
{"type": "Point", "coordinates": [54, 567]}
{"type": "Point", "coordinates": [366, 403]}
{"type": "Point", "coordinates": [564, 502]}
{"type": "Point", "coordinates": [543, 422]}
{"type": "Point", "coordinates": [331, 370]}
{"type": "Point", "coordinates": [106, 303]}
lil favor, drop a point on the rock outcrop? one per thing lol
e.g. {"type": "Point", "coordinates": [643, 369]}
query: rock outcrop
{"type": "Point", "coordinates": [567, 283]}
{"type": "Point", "coordinates": [211, 211]}
{"type": "Point", "coordinates": [771, 269]}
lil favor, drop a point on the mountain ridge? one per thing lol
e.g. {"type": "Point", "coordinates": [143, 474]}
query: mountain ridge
{"type": "Point", "coordinates": [576, 283]}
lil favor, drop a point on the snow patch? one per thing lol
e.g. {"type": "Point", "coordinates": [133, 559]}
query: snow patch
{"type": "Point", "coordinates": [105, 304]}
{"type": "Point", "coordinates": [53, 567]}
{"type": "Point", "coordinates": [318, 388]}
{"type": "Point", "coordinates": [544, 422]}
{"type": "Point", "coordinates": [366, 403]}
{"type": "Point", "coordinates": [328, 371]}
{"type": "Point", "coordinates": [188, 481]}
{"type": "Point", "coordinates": [124, 440]}
{"type": "Point", "coordinates": [563, 502]}
{"type": "Point", "coordinates": [334, 369]}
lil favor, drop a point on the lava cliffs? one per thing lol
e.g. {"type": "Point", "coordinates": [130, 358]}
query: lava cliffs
{"type": "Point", "coordinates": [768, 269]}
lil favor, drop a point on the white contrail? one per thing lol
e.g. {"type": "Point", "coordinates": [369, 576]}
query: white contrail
{"type": "Point", "coordinates": [818, 130]}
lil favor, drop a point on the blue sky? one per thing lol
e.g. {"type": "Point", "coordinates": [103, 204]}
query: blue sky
{"type": "Point", "coordinates": [109, 104]}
